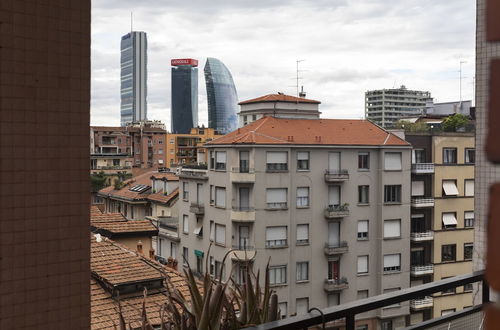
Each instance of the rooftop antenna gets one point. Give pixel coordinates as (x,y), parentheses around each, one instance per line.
(461,62)
(297,78)
(131,22)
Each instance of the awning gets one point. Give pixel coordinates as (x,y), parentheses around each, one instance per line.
(198,253)
(449,219)
(450,188)
(198,229)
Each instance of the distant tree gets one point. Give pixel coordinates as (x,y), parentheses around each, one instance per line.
(411,127)
(455,122)
(97,181)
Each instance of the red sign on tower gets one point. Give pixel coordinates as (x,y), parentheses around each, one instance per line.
(184,61)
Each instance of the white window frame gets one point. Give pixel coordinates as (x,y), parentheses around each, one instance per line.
(219,201)
(185,191)
(212,231)
(303,160)
(417,188)
(362,234)
(276,202)
(449,220)
(275,161)
(468,219)
(220,160)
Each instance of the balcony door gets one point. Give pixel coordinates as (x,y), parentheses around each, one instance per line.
(244,198)
(334,195)
(333,269)
(417,257)
(334,233)
(243,236)
(199,193)
(244,161)
(334,162)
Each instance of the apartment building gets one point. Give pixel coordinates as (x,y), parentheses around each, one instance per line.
(326,202)
(442,218)
(386,106)
(188,148)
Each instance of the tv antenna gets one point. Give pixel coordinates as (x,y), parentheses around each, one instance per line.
(131,21)
(461,62)
(297,77)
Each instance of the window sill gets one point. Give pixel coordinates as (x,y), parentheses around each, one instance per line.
(302,243)
(278,285)
(363,239)
(363,204)
(392,203)
(392,272)
(219,207)
(391,238)
(277,247)
(363,170)
(276,171)
(216,170)
(302,281)
(276,209)
(220,244)
(362,274)
(303,170)
(303,207)
(185,200)
(185,233)
(393,170)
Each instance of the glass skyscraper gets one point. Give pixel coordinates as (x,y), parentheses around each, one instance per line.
(133,88)
(184,95)
(221,96)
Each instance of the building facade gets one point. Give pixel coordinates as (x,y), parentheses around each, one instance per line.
(329,212)
(189,148)
(221,97)
(184,110)
(133,77)
(386,106)
(279,106)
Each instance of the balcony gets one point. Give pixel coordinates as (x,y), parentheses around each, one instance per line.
(277,206)
(337,211)
(197,208)
(243,252)
(242,175)
(422,236)
(340,248)
(422,168)
(336,285)
(422,303)
(196,174)
(336,175)
(243,214)
(422,270)
(422,202)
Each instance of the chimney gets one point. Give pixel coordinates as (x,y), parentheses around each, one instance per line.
(174,264)
(170,262)
(152,254)
(302,94)
(139,247)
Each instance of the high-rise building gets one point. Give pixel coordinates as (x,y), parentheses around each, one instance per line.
(184,114)
(133,88)
(386,106)
(221,96)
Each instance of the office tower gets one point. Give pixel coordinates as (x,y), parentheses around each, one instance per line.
(328,200)
(184,114)
(44,139)
(133,88)
(386,106)
(221,96)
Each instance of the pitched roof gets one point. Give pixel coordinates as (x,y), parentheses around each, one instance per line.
(124,192)
(164,199)
(279,98)
(124,227)
(94,210)
(166,176)
(285,131)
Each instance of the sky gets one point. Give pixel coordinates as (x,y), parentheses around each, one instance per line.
(347,48)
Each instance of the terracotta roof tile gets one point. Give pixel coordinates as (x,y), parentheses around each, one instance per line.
(271,130)
(164,199)
(124,227)
(169,176)
(94,210)
(280,98)
(106,217)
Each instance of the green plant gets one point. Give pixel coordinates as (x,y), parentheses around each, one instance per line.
(97,181)
(412,127)
(455,122)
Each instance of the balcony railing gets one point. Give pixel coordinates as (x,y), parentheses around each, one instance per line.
(242,175)
(193,174)
(276,167)
(422,236)
(422,202)
(277,206)
(422,270)
(336,175)
(336,211)
(422,168)
(242,170)
(349,310)
(422,303)
(197,208)
(276,243)
(333,249)
(336,284)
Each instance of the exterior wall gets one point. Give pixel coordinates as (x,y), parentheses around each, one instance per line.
(278,109)
(44,138)
(313,215)
(196,138)
(131,243)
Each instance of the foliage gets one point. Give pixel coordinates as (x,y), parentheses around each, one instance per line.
(97,181)
(411,127)
(455,122)
(118,184)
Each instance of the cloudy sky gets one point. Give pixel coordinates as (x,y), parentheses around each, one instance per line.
(348,47)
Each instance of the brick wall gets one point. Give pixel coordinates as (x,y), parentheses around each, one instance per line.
(44,164)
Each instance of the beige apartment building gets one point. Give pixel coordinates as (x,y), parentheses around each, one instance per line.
(326,201)
(442,218)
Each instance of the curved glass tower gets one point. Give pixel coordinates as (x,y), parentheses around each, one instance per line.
(221,95)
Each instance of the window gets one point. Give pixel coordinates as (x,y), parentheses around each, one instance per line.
(447,311)
(283,308)
(244,161)
(449,155)
(185,255)
(199,264)
(469,219)
(212,160)
(185,224)
(468,288)
(449,220)
(386,325)
(448,252)
(277,161)
(302,306)
(450,188)
(171,141)
(392,262)
(333,299)
(173,250)
(362,264)
(302,196)
(303,234)
(160,141)
(220,234)
(364,161)
(116,162)
(363,194)
(276,198)
(417,188)
(254,117)
(362,230)
(172,152)
(450,290)
(220,160)
(160,151)
(418,156)
(218,267)
(362,294)
(303,160)
(469,187)
(468,249)
(362,327)
(277,275)
(302,271)
(392,161)
(276,236)
(212,194)
(470,156)
(220,197)
(198,230)
(185,191)
(212,231)
(392,228)
(212,266)
(392,194)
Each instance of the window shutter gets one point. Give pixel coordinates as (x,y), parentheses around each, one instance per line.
(450,188)
(449,219)
(302,155)
(220,156)
(392,161)
(334,161)
(303,192)
(276,157)
(275,233)
(333,195)
(212,231)
(469,215)
(417,188)
(362,226)
(302,232)
(469,187)
(276,195)
(362,264)
(392,260)
(392,228)
(220,234)
(220,196)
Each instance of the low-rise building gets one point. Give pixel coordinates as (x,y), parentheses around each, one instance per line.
(188,148)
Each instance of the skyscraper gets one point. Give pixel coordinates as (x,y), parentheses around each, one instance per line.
(221,96)
(133,89)
(184,95)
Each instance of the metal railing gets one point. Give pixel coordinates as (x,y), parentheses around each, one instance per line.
(422,302)
(422,168)
(243,208)
(243,170)
(351,309)
(276,243)
(424,234)
(424,200)
(277,206)
(276,167)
